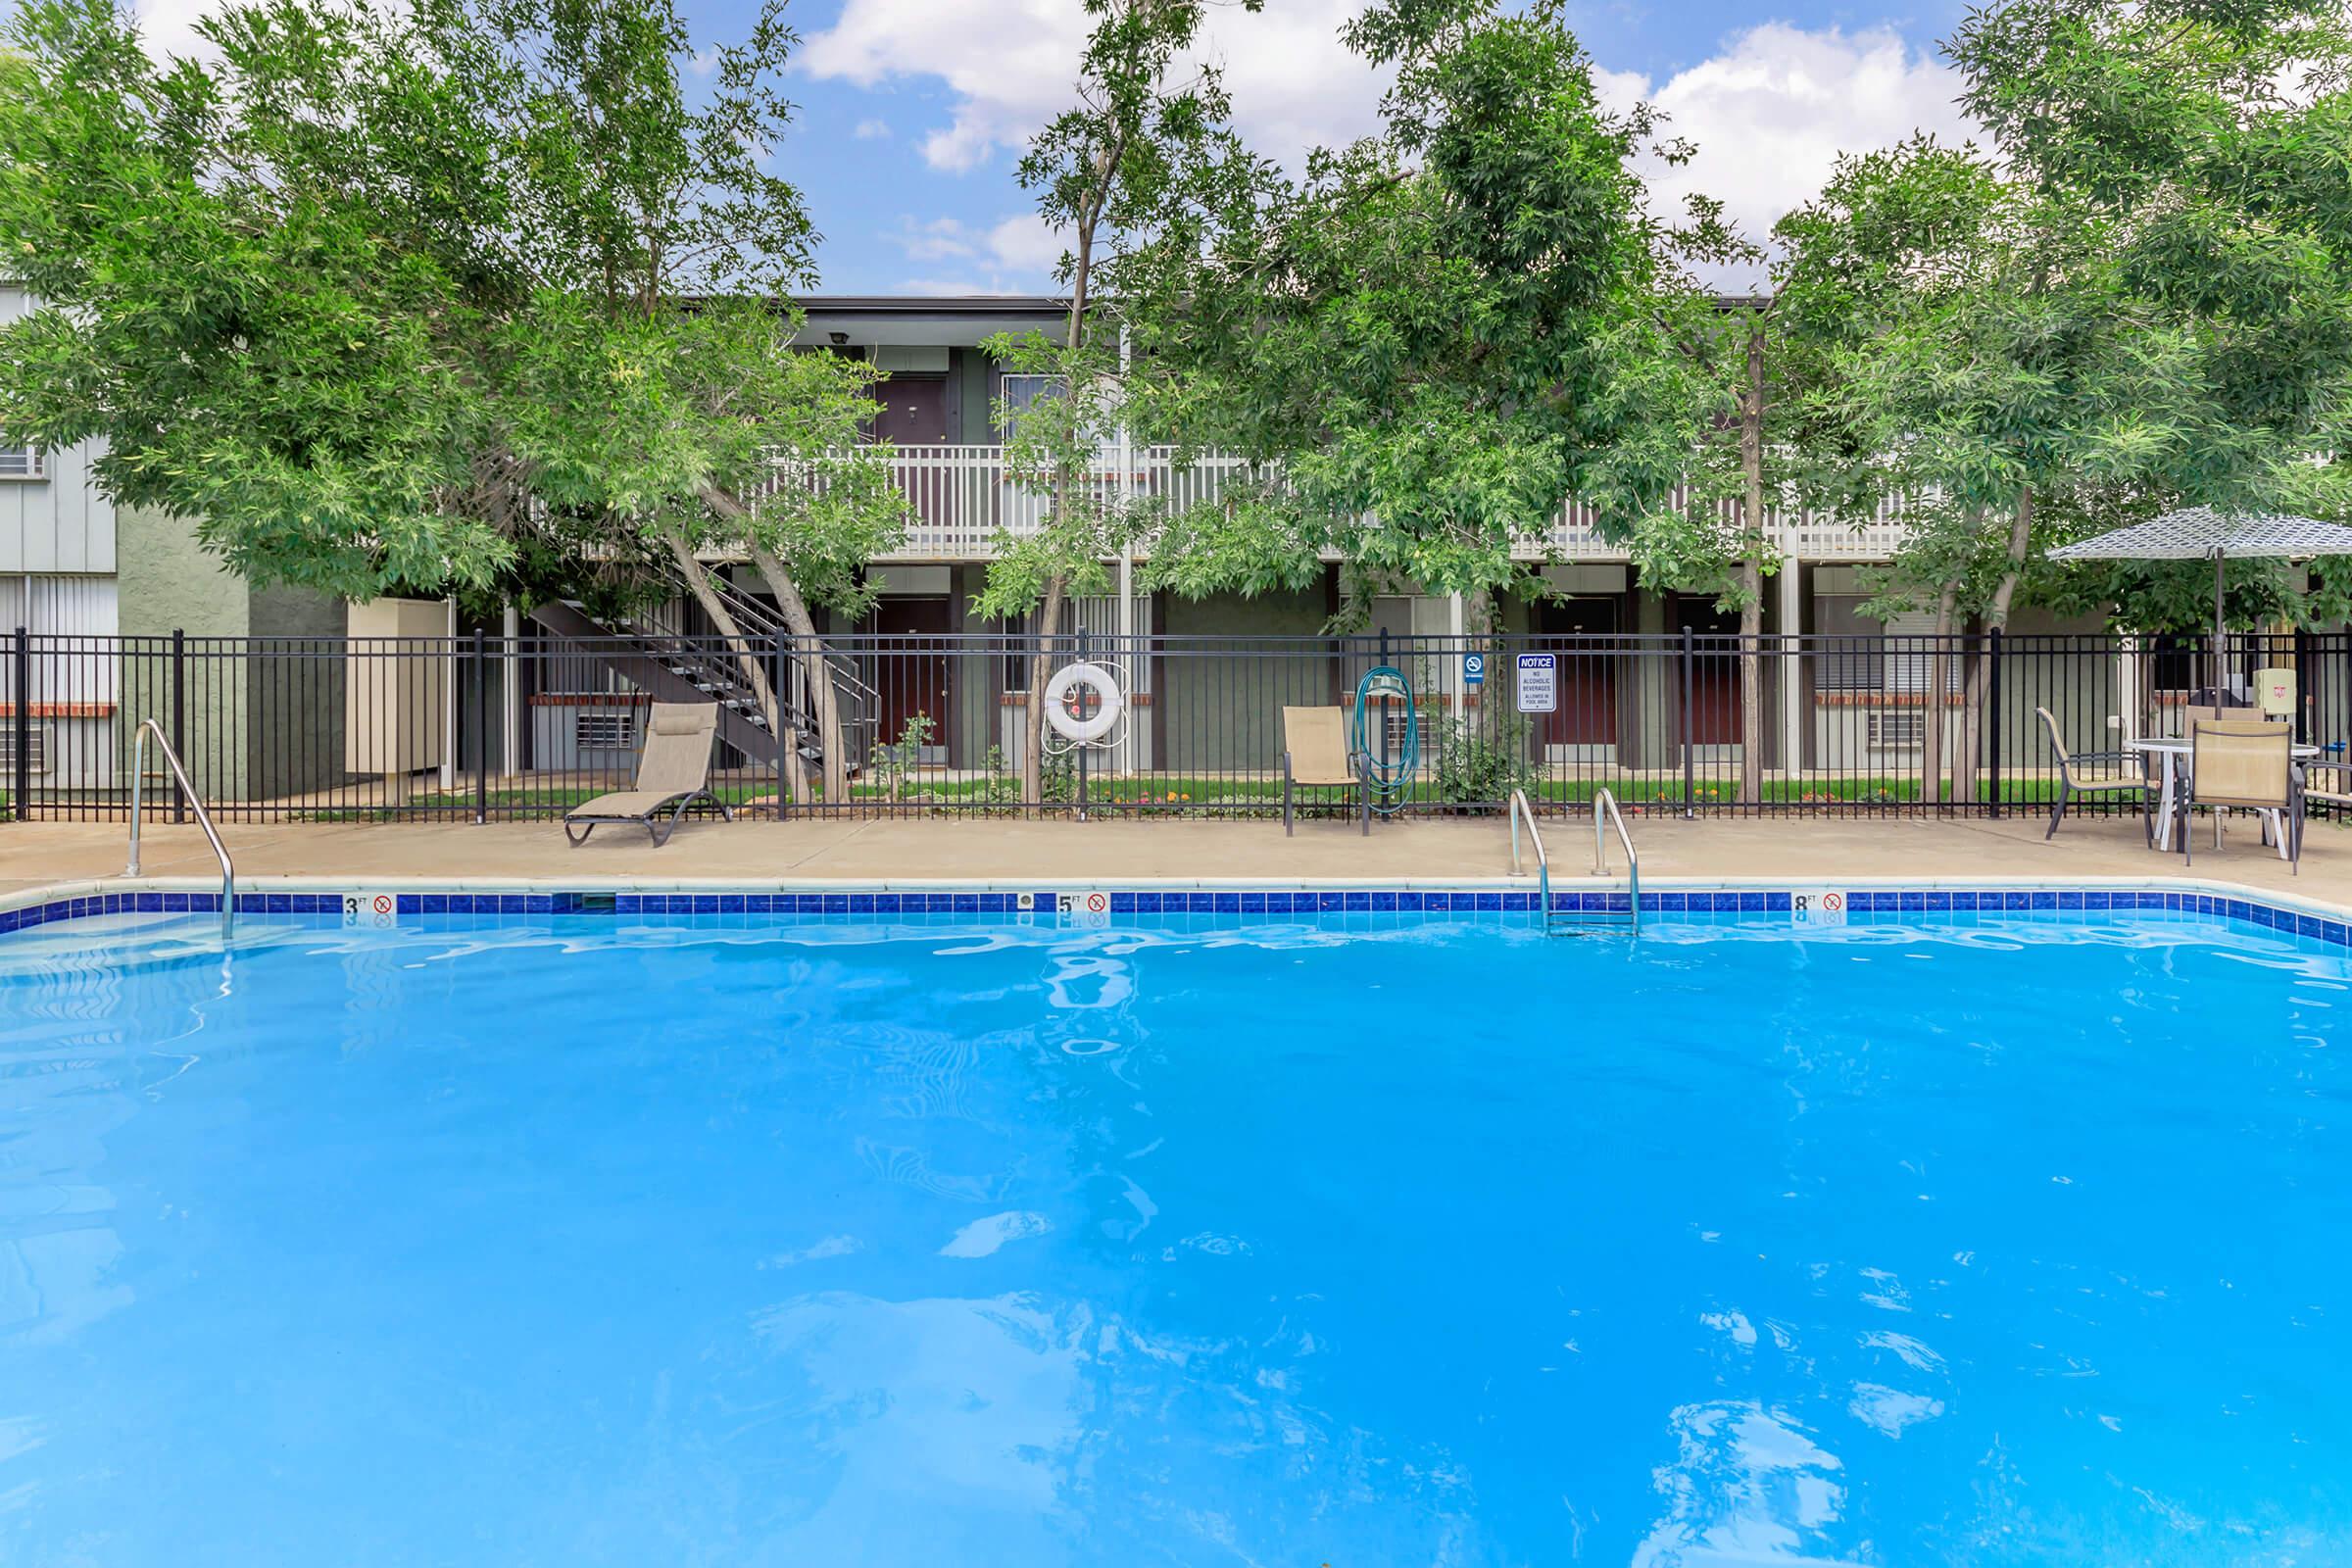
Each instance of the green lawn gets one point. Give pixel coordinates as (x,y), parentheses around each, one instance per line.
(1179,793)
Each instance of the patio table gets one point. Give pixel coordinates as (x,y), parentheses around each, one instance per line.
(2173,754)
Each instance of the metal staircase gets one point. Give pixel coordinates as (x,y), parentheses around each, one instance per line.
(650,653)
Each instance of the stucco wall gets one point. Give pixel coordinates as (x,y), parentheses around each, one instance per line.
(253,727)
(1224,711)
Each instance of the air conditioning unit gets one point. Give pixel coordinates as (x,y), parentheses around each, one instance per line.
(606,729)
(1898,731)
(37,742)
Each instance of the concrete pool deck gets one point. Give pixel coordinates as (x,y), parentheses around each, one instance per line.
(38,855)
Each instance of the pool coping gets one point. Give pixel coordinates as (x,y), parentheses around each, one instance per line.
(1664,896)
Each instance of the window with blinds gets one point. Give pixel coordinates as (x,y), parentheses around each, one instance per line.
(1885,656)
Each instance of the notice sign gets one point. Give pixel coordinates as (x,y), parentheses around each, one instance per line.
(371,911)
(1474,669)
(1538,683)
(1817,908)
(1084,909)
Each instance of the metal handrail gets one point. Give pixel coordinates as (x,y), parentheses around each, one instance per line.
(1520,808)
(1605,804)
(751,613)
(204,818)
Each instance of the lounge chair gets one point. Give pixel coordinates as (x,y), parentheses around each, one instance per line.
(2248,765)
(674,773)
(1315,754)
(2075,777)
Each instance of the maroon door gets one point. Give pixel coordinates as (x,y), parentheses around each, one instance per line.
(914,412)
(1714,671)
(1588,689)
(913,674)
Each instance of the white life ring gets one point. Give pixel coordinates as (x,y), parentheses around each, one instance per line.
(1111,703)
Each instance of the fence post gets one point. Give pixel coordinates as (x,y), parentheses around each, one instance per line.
(1364,719)
(481,728)
(1689,776)
(179,718)
(21,801)
(775,681)
(1992,722)
(2302,689)
(1082,748)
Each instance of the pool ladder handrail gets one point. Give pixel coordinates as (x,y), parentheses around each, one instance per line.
(1520,808)
(1604,806)
(204,818)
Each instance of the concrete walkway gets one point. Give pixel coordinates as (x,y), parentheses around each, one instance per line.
(1754,848)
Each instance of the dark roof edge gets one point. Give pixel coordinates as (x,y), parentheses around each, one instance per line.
(933,304)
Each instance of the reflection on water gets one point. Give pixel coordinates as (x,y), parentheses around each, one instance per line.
(1745,1486)
(1371,1241)
(924,1409)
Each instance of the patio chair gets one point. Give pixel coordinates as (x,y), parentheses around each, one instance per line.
(2328,783)
(2076,776)
(1315,754)
(674,773)
(2250,765)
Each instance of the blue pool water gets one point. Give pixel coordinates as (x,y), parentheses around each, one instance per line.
(1361,1241)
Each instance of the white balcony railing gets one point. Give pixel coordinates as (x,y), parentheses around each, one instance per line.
(961,496)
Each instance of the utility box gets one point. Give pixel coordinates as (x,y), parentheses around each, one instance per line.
(396,689)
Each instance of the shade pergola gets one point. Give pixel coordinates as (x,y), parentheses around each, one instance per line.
(2194,533)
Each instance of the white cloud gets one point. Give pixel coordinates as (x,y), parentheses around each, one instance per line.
(1025,242)
(167,28)
(1021,247)
(1008,65)
(1772,110)
(872,130)
(949,287)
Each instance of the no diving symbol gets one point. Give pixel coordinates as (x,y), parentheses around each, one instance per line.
(1833,901)
(383,903)
(1097,903)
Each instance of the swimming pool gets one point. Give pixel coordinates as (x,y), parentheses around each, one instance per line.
(1370,1238)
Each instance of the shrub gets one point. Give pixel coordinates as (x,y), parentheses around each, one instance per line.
(1482,766)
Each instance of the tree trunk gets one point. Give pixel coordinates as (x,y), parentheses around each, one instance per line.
(748,659)
(1049,614)
(1930,762)
(1041,670)
(1751,682)
(1980,669)
(816,668)
(1752,571)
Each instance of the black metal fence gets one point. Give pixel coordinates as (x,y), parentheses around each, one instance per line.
(488,728)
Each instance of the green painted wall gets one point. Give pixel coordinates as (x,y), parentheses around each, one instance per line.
(975,381)
(1224,711)
(975,682)
(167,580)
(255,727)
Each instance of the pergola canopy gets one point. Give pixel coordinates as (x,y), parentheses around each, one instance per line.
(2200,533)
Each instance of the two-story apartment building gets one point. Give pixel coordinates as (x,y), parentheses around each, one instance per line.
(70,567)
(941,392)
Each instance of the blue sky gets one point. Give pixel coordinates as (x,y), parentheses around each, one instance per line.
(912,111)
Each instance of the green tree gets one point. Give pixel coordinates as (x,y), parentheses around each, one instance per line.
(1999,369)
(1125,173)
(459,297)
(1435,337)
(2137,296)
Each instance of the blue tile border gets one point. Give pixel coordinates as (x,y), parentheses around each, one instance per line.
(851,905)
